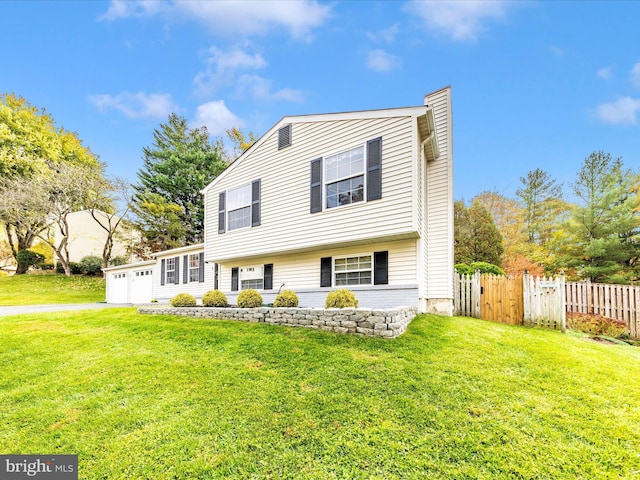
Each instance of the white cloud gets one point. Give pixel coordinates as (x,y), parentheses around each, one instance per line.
(216,117)
(260,89)
(381,61)
(635,75)
(232,17)
(387,35)
(623,111)
(222,68)
(460,20)
(136,105)
(125,9)
(605,73)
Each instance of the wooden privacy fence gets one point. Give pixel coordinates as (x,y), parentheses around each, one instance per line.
(621,302)
(521,300)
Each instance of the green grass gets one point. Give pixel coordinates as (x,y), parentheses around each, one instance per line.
(36,289)
(170,397)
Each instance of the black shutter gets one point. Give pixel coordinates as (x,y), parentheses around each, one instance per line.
(234,279)
(381,268)
(255,203)
(201,268)
(185,271)
(162,272)
(216,272)
(176,277)
(268,276)
(316,185)
(374,169)
(284,136)
(325,271)
(221,212)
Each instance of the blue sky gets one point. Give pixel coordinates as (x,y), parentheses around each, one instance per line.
(534,84)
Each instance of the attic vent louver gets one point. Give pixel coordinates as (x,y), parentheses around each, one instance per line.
(284,136)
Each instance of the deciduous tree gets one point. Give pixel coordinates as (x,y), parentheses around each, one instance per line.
(476,238)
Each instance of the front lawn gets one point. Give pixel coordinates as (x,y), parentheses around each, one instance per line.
(38,289)
(162,396)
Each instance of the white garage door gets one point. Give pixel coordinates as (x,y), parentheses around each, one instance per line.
(141,286)
(117,291)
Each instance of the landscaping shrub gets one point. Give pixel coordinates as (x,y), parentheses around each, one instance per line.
(597,325)
(249,298)
(214,298)
(30,258)
(117,261)
(286,298)
(91,265)
(183,300)
(75,268)
(484,267)
(342,298)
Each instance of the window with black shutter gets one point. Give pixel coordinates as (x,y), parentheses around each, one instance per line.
(221,212)
(255,203)
(185,269)
(162,271)
(176,277)
(316,185)
(268,276)
(216,273)
(381,268)
(374,169)
(201,268)
(234,279)
(325,271)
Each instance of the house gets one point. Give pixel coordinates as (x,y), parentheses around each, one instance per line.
(168,273)
(87,237)
(360,200)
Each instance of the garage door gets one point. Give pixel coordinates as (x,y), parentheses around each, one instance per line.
(141,286)
(117,288)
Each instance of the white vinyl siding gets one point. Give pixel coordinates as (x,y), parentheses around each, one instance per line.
(196,288)
(286,224)
(439,204)
(302,271)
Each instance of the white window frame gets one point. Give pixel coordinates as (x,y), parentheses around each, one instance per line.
(170,268)
(194,267)
(240,206)
(326,182)
(260,281)
(359,269)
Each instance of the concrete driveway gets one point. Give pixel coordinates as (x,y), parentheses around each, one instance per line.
(19,309)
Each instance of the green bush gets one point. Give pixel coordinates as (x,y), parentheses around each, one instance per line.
(249,298)
(214,298)
(117,261)
(91,265)
(597,325)
(342,298)
(286,298)
(30,258)
(75,268)
(483,267)
(183,300)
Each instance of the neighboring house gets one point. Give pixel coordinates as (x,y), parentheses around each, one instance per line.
(87,237)
(359,200)
(167,274)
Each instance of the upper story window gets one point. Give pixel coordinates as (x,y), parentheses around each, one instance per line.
(170,271)
(239,207)
(194,267)
(344,178)
(347,177)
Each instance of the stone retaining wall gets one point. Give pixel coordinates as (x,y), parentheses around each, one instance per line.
(387,323)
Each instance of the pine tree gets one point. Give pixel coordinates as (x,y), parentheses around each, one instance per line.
(176,167)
